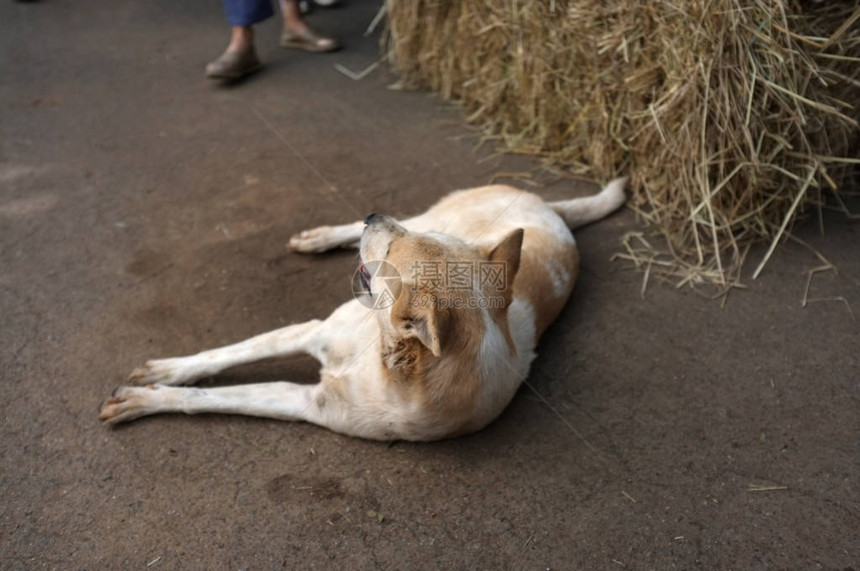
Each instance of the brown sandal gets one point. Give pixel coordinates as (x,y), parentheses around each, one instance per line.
(233,65)
(308,40)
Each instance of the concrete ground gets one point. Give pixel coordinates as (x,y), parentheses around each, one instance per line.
(144,212)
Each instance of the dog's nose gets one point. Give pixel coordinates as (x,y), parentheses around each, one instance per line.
(370,217)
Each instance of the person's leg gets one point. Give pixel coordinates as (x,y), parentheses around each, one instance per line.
(240,58)
(247,12)
(298,34)
(241,39)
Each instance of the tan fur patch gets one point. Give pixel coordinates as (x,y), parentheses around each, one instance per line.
(534,281)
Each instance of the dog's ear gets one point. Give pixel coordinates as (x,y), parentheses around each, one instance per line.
(507,255)
(417,315)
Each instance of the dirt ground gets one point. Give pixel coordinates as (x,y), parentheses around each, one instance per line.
(144,212)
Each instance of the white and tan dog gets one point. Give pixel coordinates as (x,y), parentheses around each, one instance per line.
(444,347)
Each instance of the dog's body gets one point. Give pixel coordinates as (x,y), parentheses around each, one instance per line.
(441,359)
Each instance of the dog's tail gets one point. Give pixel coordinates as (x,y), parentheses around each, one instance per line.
(581,211)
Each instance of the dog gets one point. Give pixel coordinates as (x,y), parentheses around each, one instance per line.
(450,308)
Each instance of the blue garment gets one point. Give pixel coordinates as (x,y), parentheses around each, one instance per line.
(247,12)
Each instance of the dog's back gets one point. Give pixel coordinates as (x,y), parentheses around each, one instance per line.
(549,261)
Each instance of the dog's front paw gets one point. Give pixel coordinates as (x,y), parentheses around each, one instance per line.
(126,403)
(161,371)
(311,241)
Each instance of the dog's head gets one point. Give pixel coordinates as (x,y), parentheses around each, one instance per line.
(448,290)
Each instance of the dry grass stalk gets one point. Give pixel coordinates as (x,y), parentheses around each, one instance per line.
(730,117)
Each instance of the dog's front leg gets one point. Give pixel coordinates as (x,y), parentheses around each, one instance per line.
(300,338)
(326,237)
(281,400)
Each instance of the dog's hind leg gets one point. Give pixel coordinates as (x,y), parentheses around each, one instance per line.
(290,340)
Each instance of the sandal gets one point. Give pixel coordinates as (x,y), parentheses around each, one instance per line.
(308,40)
(233,65)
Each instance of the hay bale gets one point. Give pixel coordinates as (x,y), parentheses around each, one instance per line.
(730,117)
